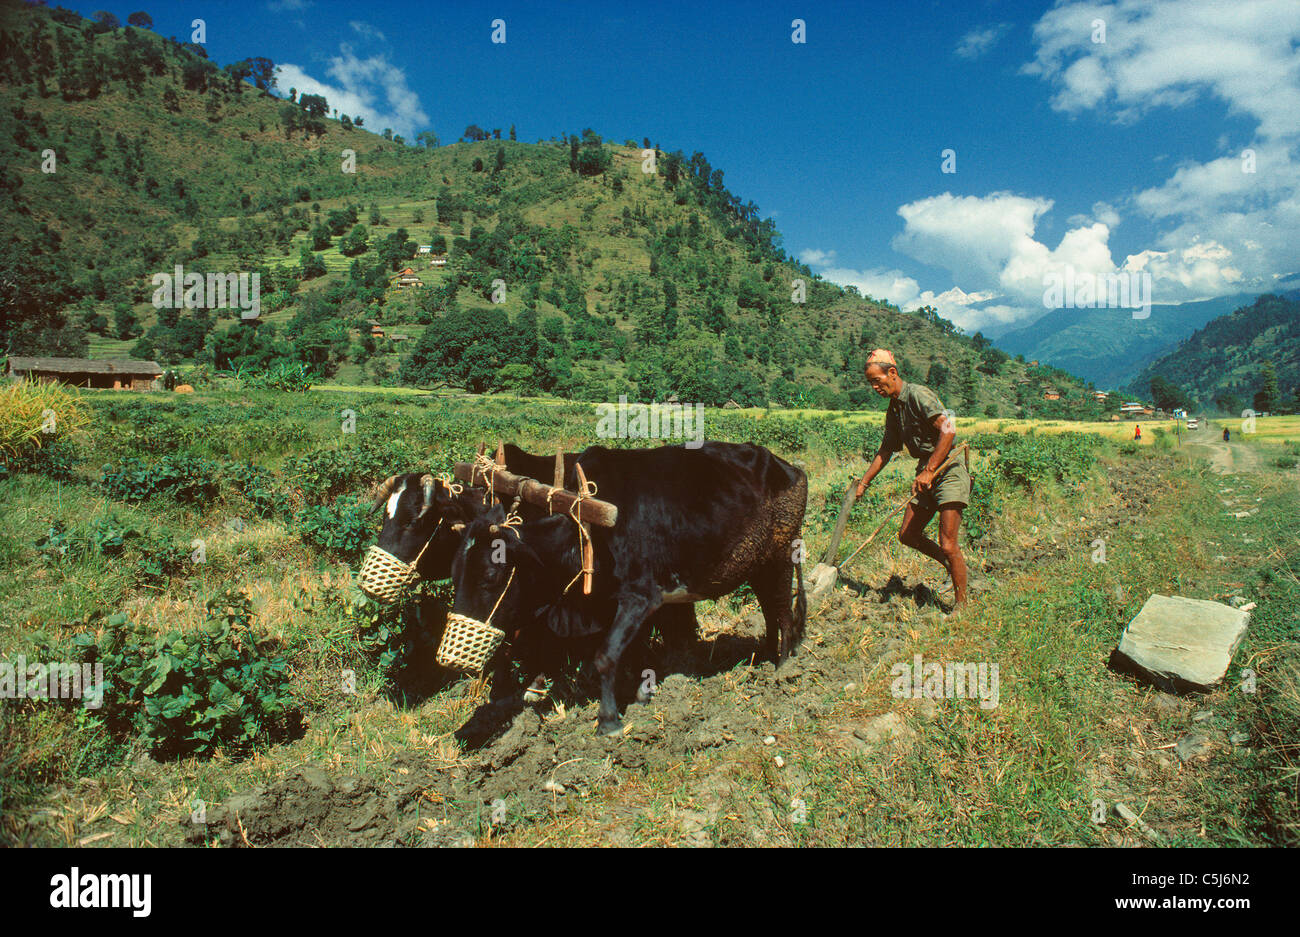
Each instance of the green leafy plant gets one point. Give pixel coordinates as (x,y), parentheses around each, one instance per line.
(343,529)
(184,478)
(193,692)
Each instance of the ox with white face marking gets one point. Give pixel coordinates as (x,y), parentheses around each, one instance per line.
(395,497)
(423,520)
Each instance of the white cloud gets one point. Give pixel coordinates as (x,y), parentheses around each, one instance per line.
(1166,52)
(371,87)
(979,41)
(816,258)
(366,31)
(1223,229)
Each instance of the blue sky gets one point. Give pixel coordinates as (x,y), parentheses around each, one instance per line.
(1122,155)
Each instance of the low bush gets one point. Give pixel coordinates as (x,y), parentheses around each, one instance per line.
(343,529)
(184,478)
(190,693)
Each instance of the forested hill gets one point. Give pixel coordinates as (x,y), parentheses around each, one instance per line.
(126,154)
(1248,358)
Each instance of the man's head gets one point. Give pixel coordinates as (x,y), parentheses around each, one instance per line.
(882,373)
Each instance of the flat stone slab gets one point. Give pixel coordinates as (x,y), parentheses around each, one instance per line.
(1181,645)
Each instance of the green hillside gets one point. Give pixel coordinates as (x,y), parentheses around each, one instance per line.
(1248,358)
(610,279)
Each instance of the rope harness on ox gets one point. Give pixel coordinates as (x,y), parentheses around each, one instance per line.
(587,490)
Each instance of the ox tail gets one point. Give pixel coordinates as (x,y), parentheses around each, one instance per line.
(800,610)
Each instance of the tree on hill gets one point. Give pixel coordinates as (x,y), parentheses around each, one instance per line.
(1167,395)
(1266,397)
(474,134)
(141,20)
(428,138)
(105,21)
(315,105)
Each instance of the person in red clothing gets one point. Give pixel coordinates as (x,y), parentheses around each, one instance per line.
(1137,433)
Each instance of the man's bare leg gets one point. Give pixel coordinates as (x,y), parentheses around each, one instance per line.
(949,525)
(912,534)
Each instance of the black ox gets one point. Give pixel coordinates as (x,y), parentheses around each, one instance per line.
(693,524)
(421,510)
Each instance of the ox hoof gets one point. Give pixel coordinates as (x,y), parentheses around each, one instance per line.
(612,728)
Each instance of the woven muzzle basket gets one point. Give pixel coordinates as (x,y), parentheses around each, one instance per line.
(467,643)
(384,576)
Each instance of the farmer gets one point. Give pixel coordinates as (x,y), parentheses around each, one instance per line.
(1225,434)
(916,419)
(1137,432)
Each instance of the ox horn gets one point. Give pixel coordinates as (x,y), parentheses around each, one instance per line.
(383,491)
(458,527)
(427,483)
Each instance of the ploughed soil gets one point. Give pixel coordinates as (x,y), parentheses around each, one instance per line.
(526,765)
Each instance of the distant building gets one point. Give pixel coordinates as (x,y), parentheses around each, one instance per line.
(1100,395)
(424,249)
(407,278)
(1034,363)
(1051,393)
(102,373)
(439,260)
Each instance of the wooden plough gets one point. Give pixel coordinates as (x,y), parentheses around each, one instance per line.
(821,579)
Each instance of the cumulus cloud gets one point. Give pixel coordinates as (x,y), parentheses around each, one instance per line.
(372,87)
(1166,52)
(977,42)
(1225,224)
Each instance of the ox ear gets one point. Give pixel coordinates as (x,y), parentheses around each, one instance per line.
(383,492)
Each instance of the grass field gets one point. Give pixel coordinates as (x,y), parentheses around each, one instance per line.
(858,765)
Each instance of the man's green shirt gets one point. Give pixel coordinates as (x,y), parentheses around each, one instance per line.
(909,421)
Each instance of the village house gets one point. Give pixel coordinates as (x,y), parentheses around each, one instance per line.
(103,373)
(439,260)
(407,278)
(1136,410)
(424,249)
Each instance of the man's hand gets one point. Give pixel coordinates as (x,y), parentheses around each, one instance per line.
(861,488)
(924,479)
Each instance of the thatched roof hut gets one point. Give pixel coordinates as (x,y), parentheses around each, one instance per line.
(106,373)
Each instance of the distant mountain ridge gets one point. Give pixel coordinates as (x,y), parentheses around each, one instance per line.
(1108,346)
(1223,363)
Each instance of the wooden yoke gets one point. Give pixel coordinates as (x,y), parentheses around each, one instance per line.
(553,498)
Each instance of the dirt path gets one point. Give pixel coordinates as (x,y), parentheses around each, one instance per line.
(1225,458)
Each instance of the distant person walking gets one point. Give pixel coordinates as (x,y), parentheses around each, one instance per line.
(1225,434)
(916,419)
(1137,433)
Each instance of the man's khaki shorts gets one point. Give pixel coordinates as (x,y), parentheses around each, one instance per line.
(952,487)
